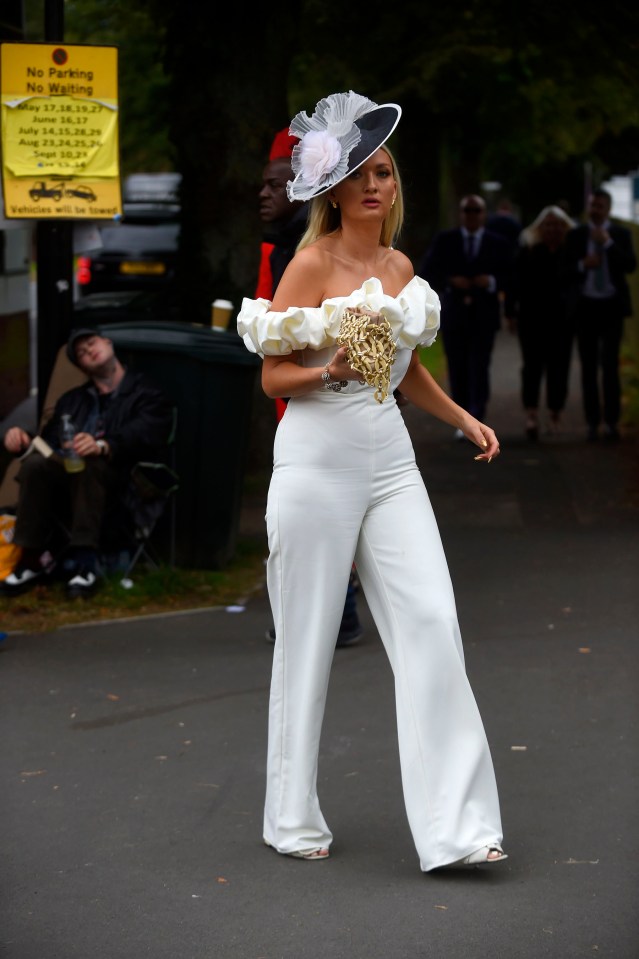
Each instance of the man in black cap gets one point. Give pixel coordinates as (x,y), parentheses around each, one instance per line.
(114,419)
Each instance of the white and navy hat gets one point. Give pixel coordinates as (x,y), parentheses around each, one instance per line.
(344,131)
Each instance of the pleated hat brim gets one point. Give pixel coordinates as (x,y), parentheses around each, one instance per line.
(376,127)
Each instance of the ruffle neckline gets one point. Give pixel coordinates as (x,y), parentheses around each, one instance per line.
(413,316)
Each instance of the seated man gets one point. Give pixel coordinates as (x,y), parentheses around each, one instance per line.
(119,418)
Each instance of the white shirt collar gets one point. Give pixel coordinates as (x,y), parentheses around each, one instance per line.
(604,226)
(478,233)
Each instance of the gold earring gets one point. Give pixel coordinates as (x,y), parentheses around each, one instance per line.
(334,204)
(393,203)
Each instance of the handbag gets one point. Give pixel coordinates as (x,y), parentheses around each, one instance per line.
(370,348)
(10,553)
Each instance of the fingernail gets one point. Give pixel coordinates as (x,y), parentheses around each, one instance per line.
(489,459)
(484,442)
(478,457)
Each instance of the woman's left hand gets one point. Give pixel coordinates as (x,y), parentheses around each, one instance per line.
(483,437)
(339,367)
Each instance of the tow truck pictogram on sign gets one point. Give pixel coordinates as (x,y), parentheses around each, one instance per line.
(40,191)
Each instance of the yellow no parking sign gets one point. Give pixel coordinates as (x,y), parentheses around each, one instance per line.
(60,148)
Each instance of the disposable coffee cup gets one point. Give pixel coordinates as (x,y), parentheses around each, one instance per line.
(221,314)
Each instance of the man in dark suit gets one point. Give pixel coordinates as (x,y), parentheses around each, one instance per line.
(504,222)
(469,267)
(599,254)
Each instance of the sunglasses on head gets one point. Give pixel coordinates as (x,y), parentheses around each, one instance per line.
(472,209)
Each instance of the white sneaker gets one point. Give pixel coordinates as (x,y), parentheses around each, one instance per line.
(82,584)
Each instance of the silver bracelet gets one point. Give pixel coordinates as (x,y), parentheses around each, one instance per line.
(335,386)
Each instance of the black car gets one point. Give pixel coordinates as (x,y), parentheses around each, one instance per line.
(133,256)
(80,191)
(97,309)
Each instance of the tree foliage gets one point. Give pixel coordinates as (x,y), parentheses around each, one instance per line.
(143,82)
(491,90)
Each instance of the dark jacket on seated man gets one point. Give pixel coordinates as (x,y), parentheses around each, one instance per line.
(135,419)
(120,418)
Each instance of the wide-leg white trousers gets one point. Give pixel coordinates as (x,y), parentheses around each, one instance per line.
(345,487)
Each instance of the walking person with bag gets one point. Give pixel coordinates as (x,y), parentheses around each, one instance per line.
(340,335)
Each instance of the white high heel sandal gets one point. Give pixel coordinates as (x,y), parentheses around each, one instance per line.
(317,852)
(481,856)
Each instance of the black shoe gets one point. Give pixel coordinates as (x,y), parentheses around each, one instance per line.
(83,583)
(33,567)
(611,434)
(345,637)
(21,579)
(350,636)
(593,434)
(532,427)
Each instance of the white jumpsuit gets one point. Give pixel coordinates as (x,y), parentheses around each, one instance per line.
(346,488)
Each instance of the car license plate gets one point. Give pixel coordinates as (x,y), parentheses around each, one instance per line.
(141,268)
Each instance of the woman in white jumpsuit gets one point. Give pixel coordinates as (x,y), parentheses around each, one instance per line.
(346,488)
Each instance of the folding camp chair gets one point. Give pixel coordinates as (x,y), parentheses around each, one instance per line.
(132,517)
(151,490)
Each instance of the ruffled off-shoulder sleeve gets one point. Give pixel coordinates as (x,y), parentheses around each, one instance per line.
(413,317)
(276,334)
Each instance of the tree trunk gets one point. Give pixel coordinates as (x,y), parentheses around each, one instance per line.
(228,98)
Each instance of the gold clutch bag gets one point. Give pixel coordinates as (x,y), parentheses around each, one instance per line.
(370,348)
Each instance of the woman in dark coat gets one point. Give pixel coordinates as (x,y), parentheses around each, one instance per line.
(544,326)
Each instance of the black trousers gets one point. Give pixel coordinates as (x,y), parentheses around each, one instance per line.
(48,496)
(468,345)
(546,352)
(599,333)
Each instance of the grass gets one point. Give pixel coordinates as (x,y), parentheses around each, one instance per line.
(46,607)
(629,369)
(433,359)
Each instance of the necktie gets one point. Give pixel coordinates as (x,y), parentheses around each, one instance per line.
(600,273)
(470,246)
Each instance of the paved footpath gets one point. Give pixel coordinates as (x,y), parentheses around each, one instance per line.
(133,752)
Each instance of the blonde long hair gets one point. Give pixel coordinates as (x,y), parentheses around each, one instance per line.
(323,218)
(531,235)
